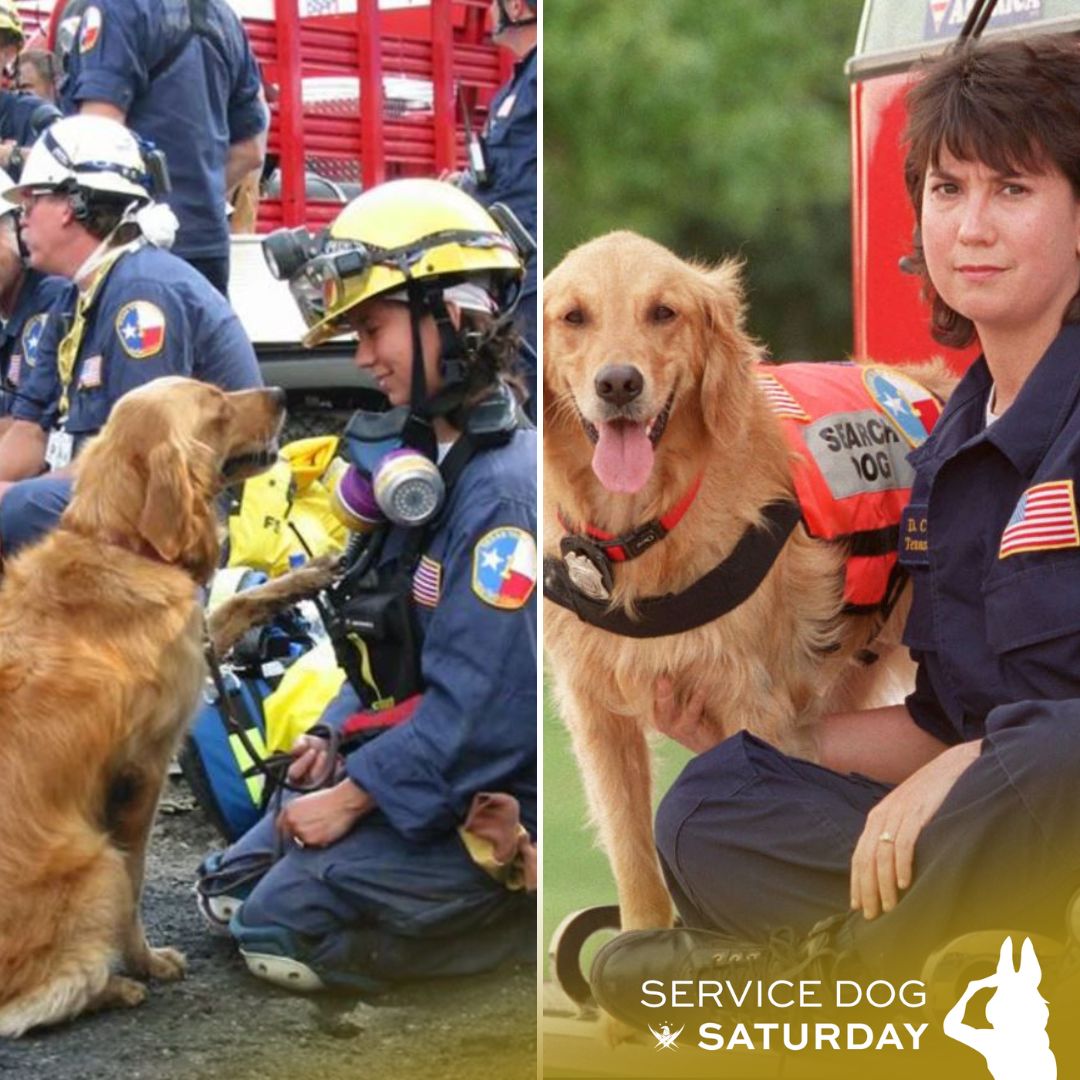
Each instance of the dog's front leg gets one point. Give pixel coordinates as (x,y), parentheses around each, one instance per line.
(231,619)
(613,757)
(131,807)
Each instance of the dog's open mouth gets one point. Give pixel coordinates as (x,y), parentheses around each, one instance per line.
(623,458)
(241,466)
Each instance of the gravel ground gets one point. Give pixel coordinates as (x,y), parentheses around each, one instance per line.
(222,1023)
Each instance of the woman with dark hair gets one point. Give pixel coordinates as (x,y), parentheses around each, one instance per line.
(952,812)
(388,872)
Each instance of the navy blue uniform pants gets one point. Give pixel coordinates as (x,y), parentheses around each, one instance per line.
(375,907)
(30,509)
(752,840)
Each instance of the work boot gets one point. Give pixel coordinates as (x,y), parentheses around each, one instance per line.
(627,961)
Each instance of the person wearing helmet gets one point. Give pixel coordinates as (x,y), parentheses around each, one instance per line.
(507,172)
(183,77)
(26,299)
(23,117)
(381,879)
(137,311)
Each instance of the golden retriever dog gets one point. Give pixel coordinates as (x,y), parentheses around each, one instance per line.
(649,382)
(101,665)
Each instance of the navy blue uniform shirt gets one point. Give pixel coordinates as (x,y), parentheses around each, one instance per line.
(191,94)
(474,593)
(510,141)
(17,113)
(152,315)
(20,339)
(992,544)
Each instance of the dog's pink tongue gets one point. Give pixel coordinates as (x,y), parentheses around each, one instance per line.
(623,458)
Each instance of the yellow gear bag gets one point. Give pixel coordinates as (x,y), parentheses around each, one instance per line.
(292,497)
(298,701)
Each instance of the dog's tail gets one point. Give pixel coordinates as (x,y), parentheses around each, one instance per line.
(59,943)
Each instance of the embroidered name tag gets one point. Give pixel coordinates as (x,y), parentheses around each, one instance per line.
(914,537)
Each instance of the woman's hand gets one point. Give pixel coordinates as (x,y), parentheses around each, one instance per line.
(884,858)
(686,725)
(320,818)
(310,755)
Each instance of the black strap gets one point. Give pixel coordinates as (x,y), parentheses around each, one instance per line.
(721,590)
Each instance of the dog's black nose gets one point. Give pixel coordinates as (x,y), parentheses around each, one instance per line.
(618,384)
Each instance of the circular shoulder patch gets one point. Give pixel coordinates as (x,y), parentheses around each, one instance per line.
(31,337)
(140,326)
(504,567)
(909,405)
(90,30)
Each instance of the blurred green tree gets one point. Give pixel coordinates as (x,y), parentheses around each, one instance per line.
(716,127)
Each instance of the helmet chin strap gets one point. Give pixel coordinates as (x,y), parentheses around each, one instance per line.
(98,255)
(424,300)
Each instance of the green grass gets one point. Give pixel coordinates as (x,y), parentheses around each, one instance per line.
(576,873)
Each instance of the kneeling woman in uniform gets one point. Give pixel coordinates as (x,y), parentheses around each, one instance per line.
(371,879)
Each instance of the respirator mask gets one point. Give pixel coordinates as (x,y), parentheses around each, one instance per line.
(387,480)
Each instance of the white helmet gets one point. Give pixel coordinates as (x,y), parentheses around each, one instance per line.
(91,154)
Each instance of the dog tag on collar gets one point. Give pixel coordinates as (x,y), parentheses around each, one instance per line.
(58,449)
(588,567)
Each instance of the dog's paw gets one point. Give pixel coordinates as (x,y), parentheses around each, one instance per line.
(165,964)
(318,573)
(121,992)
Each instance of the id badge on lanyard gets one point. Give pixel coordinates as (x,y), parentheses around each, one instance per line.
(59,449)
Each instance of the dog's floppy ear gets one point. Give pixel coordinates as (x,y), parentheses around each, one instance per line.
(725,346)
(169,501)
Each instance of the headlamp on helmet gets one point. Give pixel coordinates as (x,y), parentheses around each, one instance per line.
(287,250)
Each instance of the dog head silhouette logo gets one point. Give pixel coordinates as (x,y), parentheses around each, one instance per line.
(1016,1045)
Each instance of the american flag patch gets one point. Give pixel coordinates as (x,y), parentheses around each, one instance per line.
(90,375)
(427,582)
(1044,519)
(780,401)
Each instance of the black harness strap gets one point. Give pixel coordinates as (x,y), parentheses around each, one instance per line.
(722,589)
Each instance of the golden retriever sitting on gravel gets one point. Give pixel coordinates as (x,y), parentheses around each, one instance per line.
(101,664)
(664,456)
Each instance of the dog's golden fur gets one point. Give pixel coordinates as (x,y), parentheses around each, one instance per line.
(773,664)
(101,665)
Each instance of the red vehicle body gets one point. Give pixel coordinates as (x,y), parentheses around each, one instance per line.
(443,44)
(891,319)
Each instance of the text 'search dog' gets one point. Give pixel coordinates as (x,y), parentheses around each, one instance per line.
(728,524)
(101,665)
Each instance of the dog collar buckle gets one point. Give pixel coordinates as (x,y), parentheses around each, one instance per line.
(588,567)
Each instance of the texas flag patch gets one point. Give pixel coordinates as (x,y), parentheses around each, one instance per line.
(910,406)
(504,567)
(1044,520)
(141,329)
(90,30)
(31,337)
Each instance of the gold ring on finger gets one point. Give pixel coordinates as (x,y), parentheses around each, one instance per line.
(886,838)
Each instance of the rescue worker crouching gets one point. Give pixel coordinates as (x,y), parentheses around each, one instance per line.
(26,296)
(371,880)
(132,313)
